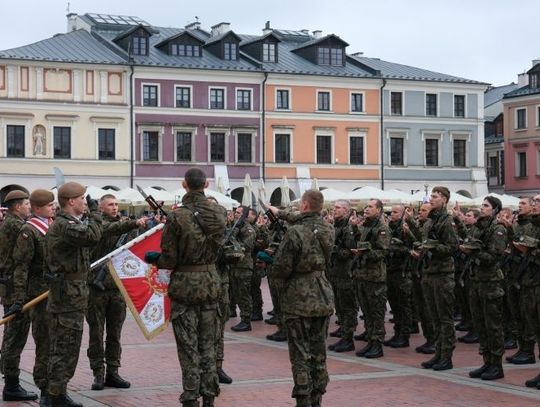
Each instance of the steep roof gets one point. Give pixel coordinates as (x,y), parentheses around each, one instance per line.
(496,93)
(523,91)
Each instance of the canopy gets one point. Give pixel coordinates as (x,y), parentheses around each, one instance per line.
(160,195)
(225,201)
(506,200)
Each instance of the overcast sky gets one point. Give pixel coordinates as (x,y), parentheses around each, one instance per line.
(486,40)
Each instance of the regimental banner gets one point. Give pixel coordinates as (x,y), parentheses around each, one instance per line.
(143,286)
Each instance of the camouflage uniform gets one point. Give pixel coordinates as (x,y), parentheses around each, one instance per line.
(460,277)
(242,272)
(307,302)
(106,309)
(191,253)
(16,330)
(261,243)
(370,278)
(486,288)
(438,281)
(341,272)
(67,258)
(28,283)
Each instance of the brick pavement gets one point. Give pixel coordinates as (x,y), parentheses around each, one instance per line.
(262,376)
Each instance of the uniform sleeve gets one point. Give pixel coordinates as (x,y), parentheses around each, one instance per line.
(119,228)
(82,235)
(346,243)
(246,238)
(379,244)
(286,255)
(494,249)
(448,242)
(169,245)
(23,253)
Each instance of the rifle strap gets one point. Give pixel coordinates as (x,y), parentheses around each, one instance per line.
(326,253)
(198,219)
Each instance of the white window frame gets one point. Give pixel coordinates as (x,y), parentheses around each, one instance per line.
(250,99)
(352,134)
(28,142)
(538,161)
(224,88)
(331,104)
(291,144)
(324,133)
(357,92)
(253,135)
(516,118)
(517,164)
(160,130)
(143,84)
(464,105)
(435,135)
(437,95)
(190,96)
(402,103)
(466,136)
(397,133)
(209,131)
(276,99)
(537,116)
(184,129)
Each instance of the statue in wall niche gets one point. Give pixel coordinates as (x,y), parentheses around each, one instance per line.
(39,140)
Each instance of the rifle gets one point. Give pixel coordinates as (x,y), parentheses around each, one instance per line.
(276,223)
(154,205)
(236,252)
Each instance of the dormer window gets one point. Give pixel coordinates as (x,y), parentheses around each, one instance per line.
(186,50)
(330,56)
(139,45)
(230,51)
(535,80)
(269,52)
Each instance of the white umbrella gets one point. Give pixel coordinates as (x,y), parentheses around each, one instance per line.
(506,200)
(222,199)
(219,185)
(160,195)
(262,191)
(285,198)
(332,195)
(96,192)
(130,196)
(246,196)
(315,184)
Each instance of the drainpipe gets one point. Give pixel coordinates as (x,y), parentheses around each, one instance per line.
(131,126)
(382,133)
(263,127)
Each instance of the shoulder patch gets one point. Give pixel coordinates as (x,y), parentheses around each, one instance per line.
(24,235)
(71,222)
(383,233)
(499,233)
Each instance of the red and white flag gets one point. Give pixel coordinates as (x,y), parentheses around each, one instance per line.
(143,286)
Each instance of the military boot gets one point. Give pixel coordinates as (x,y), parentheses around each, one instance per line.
(190,403)
(493,372)
(477,373)
(63,400)
(510,343)
(388,341)
(343,345)
(278,336)
(427,348)
(303,401)
(428,364)
(242,326)
(400,342)
(99,382)
(257,316)
(271,321)
(208,401)
(336,334)
(523,358)
(13,391)
(469,338)
(376,351)
(316,399)
(113,379)
(223,377)
(443,364)
(361,337)
(362,352)
(44,400)
(534,382)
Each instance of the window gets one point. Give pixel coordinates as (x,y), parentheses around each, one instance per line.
(521,118)
(431,104)
(356,150)
(62,142)
(459,105)
(217,98)
(432,152)
(150,97)
(244,142)
(357,102)
(183,146)
(186,50)
(229,51)
(217,147)
(282,99)
(15,141)
(396,103)
(324,149)
(269,52)
(106,141)
(537,116)
(243,99)
(183,97)
(150,146)
(534,82)
(323,101)
(493,169)
(330,56)
(397,151)
(283,148)
(460,153)
(139,45)
(521,164)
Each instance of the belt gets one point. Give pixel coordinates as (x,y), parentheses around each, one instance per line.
(197,268)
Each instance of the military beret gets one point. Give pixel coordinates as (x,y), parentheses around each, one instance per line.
(71,190)
(41,197)
(15,194)
(263,256)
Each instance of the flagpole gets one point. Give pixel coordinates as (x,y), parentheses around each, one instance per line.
(26,307)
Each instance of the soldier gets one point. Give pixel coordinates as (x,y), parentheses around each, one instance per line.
(341,270)
(106,306)
(242,272)
(189,247)
(373,240)
(16,330)
(438,278)
(307,301)
(486,287)
(28,281)
(261,243)
(67,262)
(399,279)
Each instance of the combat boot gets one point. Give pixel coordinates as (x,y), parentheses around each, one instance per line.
(343,345)
(471,337)
(427,348)
(463,326)
(190,403)
(534,382)
(523,358)
(400,342)
(271,321)
(364,350)
(477,373)
(278,336)
(242,326)
(361,337)
(376,351)
(336,334)
(388,341)
(493,372)
(63,400)
(99,382)
(44,400)
(223,377)
(510,343)
(208,401)
(113,379)
(257,316)
(316,398)
(303,401)
(428,364)
(13,391)
(443,364)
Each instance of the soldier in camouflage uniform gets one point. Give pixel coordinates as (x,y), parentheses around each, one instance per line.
(242,272)
(399,279)
(307,301)
(261,243)
(16,330)
(189,247)
(373,240)
(486,288)
(438,278)
(341,270)
(28,281)
(67,258)
(106,306)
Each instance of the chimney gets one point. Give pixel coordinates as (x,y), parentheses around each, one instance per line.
(305,32)
(523,79)
(535,62)
(317,34)
(267,29)
(74,22)
(220,28)
(193,26)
